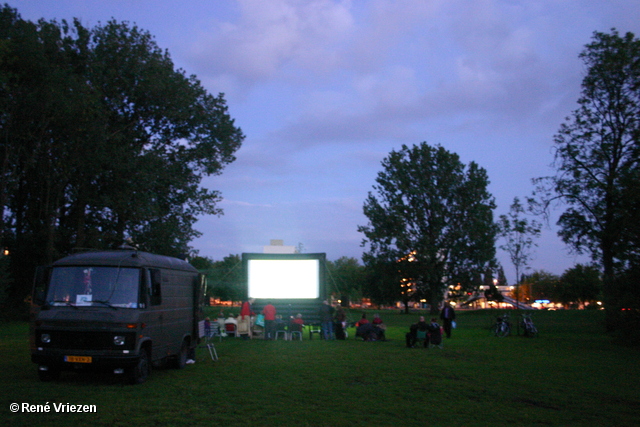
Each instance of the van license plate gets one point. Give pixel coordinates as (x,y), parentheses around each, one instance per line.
(78,359)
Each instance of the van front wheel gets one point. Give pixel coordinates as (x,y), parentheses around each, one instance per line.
(139,373)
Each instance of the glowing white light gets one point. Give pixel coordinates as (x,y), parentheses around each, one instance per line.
(284,279)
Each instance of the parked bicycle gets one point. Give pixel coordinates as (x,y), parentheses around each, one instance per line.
(529,328)
(502,328)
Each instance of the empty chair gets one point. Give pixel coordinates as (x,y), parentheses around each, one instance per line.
(281,328)
(211,330)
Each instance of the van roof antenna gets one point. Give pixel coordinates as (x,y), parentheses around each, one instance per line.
(129,245)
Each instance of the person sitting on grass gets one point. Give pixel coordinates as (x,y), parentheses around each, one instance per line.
(363,320)
(368,331)
(378,323)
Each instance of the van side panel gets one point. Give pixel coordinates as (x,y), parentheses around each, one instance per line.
(177,306)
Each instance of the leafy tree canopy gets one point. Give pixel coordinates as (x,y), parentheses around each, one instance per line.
(518,233)
(582,284)
(430,219)
(597,162)
(346,277)
(224,278)
(102,139)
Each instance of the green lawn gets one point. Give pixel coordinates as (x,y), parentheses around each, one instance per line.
(571,375)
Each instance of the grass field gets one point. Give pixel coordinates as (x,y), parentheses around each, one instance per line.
(571,375)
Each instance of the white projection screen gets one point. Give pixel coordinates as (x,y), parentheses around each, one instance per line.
(283,277)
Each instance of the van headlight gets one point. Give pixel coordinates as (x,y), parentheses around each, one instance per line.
(118,339)
(45,338)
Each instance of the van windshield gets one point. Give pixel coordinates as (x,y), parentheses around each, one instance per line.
(94,286)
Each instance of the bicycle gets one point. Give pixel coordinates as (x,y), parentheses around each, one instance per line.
(502,328)
(530,329)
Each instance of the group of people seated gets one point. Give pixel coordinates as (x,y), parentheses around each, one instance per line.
(430,334)
(371,331)
(229,326)
(295,324)
(420,333)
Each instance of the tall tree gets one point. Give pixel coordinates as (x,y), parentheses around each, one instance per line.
(542,285)
(518,233)
(597,155)
(346,277)
(101,139)
(431,219)
(224,278)
(384,283)
(581,284)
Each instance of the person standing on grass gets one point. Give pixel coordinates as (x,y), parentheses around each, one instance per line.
(244,323)
(340,323)
(269,312)
(448,315)
(326,319)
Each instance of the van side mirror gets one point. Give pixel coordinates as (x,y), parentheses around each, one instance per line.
(40,281)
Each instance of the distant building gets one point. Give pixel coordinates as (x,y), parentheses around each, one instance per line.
(277,247)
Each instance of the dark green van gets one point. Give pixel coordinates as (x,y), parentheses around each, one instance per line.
(118,311)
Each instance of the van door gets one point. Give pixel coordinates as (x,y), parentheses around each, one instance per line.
(154,316)
(199,286)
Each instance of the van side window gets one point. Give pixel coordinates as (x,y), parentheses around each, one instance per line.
(155,294)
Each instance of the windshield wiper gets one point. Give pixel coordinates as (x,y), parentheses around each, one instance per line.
(67,303)
(107,303)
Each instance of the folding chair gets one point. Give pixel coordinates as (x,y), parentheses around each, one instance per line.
(212,351)
(231,329)
(435,338)
(314,329)
(295,331)
(423,337)
(209,330)
(281,329)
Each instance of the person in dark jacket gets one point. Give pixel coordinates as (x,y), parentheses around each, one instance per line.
(326,317)
(435,333)
(340,323)
(412,336)
(448,315)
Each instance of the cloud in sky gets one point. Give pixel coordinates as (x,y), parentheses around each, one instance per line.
(325,89)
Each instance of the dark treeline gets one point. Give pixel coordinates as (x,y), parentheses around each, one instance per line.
(101,140)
